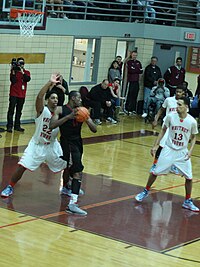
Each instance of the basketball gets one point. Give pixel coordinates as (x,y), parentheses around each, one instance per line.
(82,114)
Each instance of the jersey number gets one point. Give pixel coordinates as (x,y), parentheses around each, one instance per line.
(178,136)
(46,129)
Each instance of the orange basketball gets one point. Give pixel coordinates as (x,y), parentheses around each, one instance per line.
(82,114)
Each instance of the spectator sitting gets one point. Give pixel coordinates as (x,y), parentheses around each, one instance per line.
(149,11)
(157,96)
(59,7)
(164,12)
(100,97)
(114,72)
(120,63)
(71,8)
(116,96)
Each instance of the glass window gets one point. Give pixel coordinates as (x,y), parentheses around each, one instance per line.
(85,60)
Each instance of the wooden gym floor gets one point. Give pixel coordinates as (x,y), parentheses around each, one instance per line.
(35,230)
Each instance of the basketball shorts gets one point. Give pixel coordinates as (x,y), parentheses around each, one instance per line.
(36,154)
(169,157)
(72,153)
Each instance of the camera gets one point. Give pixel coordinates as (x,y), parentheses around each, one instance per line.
(15,65)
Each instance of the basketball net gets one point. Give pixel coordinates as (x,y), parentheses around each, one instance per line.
(27,23)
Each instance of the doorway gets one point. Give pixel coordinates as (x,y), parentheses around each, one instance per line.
(167,54)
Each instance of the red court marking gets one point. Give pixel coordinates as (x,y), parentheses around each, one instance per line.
(13,224)
(86,207)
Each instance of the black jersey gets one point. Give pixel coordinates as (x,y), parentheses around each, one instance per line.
(71,129)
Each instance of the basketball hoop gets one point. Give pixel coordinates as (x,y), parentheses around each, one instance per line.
(28,19)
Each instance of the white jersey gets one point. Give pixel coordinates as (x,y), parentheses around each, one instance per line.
(170,104)
(42,133)
(180,130)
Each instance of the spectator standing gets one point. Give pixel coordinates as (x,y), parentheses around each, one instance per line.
(174,76)
(134,69)
(19,77)
(114,72)
(151,75)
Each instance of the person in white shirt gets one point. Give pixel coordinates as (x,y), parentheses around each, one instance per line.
(149,11)
(43,146)
(182,129)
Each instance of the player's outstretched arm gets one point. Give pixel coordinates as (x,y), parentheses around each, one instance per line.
(39,104)
(56,122)
(157,116)
(192,143)
(157,142)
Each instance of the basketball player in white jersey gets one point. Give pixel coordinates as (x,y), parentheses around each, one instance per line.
(43,146)
(182,128)
(169,106)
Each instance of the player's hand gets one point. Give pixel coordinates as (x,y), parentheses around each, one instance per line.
(72,115)
(55,78)
(188,156)
(153,151)
(154,124)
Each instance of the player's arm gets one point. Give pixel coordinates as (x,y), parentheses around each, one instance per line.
(62,88)
(157,116)
(192,143)
(92,126)
(39,104)
(56,122)
(157,142)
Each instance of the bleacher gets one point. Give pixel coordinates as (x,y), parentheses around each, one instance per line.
(181,13)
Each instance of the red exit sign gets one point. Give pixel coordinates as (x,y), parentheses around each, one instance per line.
(190,36)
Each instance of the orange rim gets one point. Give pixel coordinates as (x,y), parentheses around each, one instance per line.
(14,12)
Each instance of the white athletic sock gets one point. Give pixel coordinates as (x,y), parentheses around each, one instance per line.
(73,199)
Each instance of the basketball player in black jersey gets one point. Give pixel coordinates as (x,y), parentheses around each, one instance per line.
(71,143)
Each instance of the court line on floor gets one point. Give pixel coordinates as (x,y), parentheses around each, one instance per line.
(150,146)
(90,206)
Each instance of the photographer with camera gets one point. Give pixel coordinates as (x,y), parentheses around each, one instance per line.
(18,78)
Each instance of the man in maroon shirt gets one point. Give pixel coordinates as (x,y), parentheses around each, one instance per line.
(134,69)
(18,78)
(174,76)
